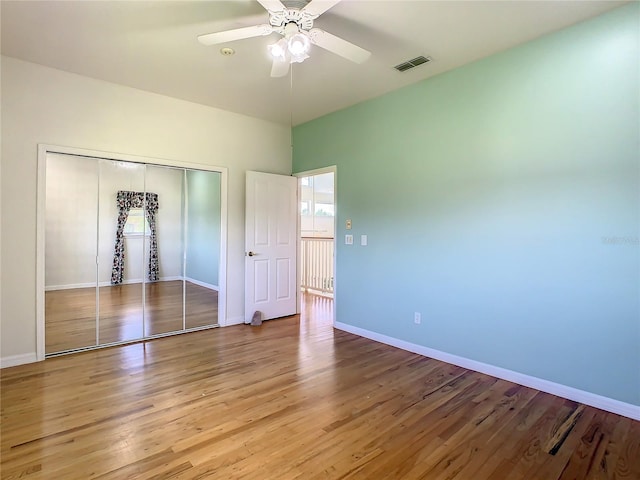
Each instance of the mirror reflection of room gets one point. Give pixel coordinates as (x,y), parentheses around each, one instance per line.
(131,251)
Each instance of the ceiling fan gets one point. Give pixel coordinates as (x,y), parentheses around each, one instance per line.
(293,19)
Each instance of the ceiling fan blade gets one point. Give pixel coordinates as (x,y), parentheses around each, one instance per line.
(338,46)
(279,68)
(318,7)
(272,5)
(237,34)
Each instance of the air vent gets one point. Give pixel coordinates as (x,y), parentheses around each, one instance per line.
(414,62)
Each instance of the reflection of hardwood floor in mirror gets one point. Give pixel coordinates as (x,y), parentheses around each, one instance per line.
(70,315)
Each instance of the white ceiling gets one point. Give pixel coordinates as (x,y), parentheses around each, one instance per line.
(151,45)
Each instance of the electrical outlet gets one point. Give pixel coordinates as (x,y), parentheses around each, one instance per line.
(348,239)
(416,318)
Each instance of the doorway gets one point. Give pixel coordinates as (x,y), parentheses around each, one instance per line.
(317,230)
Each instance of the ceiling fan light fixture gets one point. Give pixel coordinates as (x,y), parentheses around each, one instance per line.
(299,45)
(292,49)
(279,49)
(299,58)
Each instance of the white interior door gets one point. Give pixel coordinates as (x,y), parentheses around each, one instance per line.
(270,245)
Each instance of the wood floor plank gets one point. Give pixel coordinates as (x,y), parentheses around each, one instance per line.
(294,399)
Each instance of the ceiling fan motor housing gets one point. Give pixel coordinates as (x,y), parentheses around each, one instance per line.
(279,20)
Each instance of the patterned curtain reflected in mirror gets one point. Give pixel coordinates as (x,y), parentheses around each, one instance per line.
(126,201)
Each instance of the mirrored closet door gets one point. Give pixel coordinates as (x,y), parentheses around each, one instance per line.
(202,226)
(132,251)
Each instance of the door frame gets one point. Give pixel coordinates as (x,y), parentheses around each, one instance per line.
(308,173)
(43,150)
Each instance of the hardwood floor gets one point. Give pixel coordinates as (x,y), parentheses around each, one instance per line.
(70,315)
(294,399)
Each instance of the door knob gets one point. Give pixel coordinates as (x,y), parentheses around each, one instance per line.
(251,254)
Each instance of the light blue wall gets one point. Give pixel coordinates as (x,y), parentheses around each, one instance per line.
(203,226)
(501,200)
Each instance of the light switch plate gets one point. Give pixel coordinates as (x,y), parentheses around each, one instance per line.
(363,240)
(348,239)
(348,224)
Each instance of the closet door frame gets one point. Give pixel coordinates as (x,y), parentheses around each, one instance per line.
(43,151)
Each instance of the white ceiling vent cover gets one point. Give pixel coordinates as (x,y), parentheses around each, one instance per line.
(414,62)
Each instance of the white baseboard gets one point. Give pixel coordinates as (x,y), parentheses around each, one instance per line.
(14,360)
(202,284)
(70,286)
(168,279)
(108,284)
(232,321)
(581,396)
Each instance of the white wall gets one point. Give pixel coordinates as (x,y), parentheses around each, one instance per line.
(44,105)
